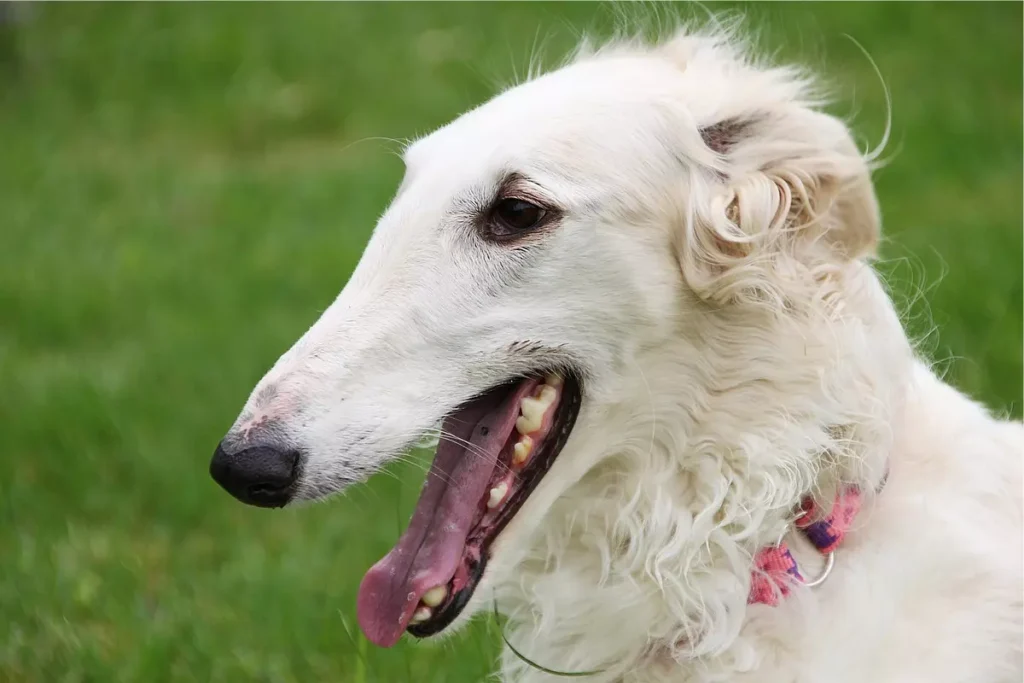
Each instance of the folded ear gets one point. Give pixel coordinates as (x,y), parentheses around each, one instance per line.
(788,205)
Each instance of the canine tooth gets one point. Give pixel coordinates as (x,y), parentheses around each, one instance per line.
(554,379)
(421,615)
(548,394)
(497,495)
(521,451)
(435,596)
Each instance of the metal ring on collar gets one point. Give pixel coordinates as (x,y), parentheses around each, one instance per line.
(830,561)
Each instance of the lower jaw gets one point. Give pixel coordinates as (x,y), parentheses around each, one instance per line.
(444,618)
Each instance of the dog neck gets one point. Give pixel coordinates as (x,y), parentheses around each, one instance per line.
(651,551)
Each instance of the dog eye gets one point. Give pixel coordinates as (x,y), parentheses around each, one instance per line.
(511,217)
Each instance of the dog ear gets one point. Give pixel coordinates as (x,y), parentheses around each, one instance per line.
(789,205)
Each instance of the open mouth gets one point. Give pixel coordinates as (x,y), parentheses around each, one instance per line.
(495,450)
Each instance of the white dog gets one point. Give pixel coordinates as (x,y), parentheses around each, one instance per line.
(636,292)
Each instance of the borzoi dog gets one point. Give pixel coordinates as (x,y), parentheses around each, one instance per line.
(683,434)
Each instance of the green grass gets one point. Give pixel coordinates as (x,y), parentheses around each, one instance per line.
(183,188)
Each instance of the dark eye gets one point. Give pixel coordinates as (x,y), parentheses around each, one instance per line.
(512,217)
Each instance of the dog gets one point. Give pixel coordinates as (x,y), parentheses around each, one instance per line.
(633,299)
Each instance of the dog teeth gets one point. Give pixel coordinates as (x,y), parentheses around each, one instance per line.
(525,426)
(532,410)
(421,615)
(521,451)
(497,495)
(435,596)
(554,380)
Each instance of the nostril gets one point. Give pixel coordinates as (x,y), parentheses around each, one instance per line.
(261,475)
(262,491)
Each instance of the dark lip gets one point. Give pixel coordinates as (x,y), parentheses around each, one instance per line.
(565,421)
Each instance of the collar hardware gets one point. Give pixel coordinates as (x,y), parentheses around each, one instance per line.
(830,561)
(776,570)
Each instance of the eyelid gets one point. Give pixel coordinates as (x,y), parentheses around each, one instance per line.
(519,187)
(522,197)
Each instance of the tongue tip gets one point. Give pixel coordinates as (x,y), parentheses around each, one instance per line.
(368,613)
(382,638)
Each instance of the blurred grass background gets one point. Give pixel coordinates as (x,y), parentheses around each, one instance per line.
(183,188)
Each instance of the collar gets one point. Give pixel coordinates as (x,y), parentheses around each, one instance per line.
(776,571)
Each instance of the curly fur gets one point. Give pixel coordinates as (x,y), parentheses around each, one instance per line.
(711,280)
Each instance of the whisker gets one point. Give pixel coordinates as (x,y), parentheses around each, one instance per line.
(471,448)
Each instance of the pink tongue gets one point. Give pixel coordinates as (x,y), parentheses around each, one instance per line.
(429,551)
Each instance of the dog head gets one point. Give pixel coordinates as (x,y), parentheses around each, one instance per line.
(540,250)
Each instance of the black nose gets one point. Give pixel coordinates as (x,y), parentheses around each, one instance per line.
(262,475)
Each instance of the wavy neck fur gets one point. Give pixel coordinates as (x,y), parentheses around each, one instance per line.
(649,553)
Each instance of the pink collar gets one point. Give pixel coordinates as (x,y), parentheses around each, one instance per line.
(775,570)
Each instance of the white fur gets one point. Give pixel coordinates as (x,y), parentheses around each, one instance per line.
(738,352)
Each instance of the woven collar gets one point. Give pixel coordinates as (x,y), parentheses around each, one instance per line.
(775,569)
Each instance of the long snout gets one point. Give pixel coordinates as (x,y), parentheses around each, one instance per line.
(381,366)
